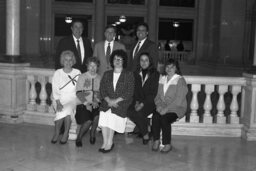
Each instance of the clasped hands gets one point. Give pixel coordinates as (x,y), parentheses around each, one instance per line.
(138,106)
(162,110)
(113,102)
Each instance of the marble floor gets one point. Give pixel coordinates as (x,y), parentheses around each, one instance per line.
(27,147)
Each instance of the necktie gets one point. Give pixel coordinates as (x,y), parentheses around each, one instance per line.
(78,49)
(108,52)
(137,49)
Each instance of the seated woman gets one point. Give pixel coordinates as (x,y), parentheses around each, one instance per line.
(171,104)
(116,89)
(64,94)
(87,91)
(87,115)
(146,84)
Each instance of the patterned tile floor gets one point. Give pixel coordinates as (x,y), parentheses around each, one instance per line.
(27,147)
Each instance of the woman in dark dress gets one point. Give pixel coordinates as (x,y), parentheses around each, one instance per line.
(87,91)
(146,84)
(116,90)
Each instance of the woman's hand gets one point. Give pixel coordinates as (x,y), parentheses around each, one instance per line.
(163,111)
(95,105)
(139,107)
(59,106)
(89,107)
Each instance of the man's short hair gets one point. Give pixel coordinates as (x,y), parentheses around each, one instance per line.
(77,21)
(110,26)
(142,24)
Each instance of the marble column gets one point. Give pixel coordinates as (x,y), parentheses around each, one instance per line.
(248,111)
(12,31)
(152,18)
(99,21)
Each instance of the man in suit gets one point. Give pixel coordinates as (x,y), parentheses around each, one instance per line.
(104,49)
(79,45)
(143,45)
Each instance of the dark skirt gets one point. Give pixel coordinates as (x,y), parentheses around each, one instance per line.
(83,115)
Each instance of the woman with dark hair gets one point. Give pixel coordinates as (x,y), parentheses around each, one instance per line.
(146,84)
(116,90)
(171,104)
(87,91)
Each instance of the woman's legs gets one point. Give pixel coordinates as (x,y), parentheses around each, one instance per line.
(105,133)
(93,129)
(83,129)
(166,121)
(67,123)
(57,128)
(156,127)
(109,139)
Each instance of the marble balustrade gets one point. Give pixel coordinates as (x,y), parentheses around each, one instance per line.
(213,104)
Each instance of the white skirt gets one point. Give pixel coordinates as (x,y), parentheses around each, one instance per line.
(112,121)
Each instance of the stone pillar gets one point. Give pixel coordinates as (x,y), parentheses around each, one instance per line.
(13,96)
(99,20)
(248,111)
(153,19)
(13,31)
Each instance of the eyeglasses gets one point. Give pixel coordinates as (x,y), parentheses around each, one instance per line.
(118,59)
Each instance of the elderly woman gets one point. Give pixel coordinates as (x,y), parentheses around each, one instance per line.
(171,104)
(64,94)
(146,84)
(87,89)
(116,89)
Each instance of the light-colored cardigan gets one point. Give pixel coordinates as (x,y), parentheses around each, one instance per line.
(175,96)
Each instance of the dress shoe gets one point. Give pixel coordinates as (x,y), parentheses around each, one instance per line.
(166,149)
(79,143)
(92,140)
(54,141)
(107,151)
(63,142)
(156,145)
(145,141)
(101,150)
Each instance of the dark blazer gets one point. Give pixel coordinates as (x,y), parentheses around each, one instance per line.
(149,47)
(68,43)
(124,89)
(146,93)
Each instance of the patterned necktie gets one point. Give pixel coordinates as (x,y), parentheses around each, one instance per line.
(78,49)
(108,52)
(137,49)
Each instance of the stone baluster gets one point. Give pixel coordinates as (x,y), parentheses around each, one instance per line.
(51,109)
(43,95)
(32,93)
(221,104)
(234,119)
(194,118)
(208,104)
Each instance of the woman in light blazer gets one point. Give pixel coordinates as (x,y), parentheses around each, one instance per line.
(171,104)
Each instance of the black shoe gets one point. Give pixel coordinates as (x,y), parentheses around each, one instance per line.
(92,140)
(54,141)
(101,150)
(145,141)
(63,142)
(79,143)
(107,151)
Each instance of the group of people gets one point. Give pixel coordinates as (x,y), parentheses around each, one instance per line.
(111,87)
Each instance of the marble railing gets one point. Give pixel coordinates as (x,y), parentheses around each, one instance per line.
(179,56)
(214,104)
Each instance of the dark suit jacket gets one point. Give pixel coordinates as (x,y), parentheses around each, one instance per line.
(124,89)
(149,47)
(146,93)
(68,43)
